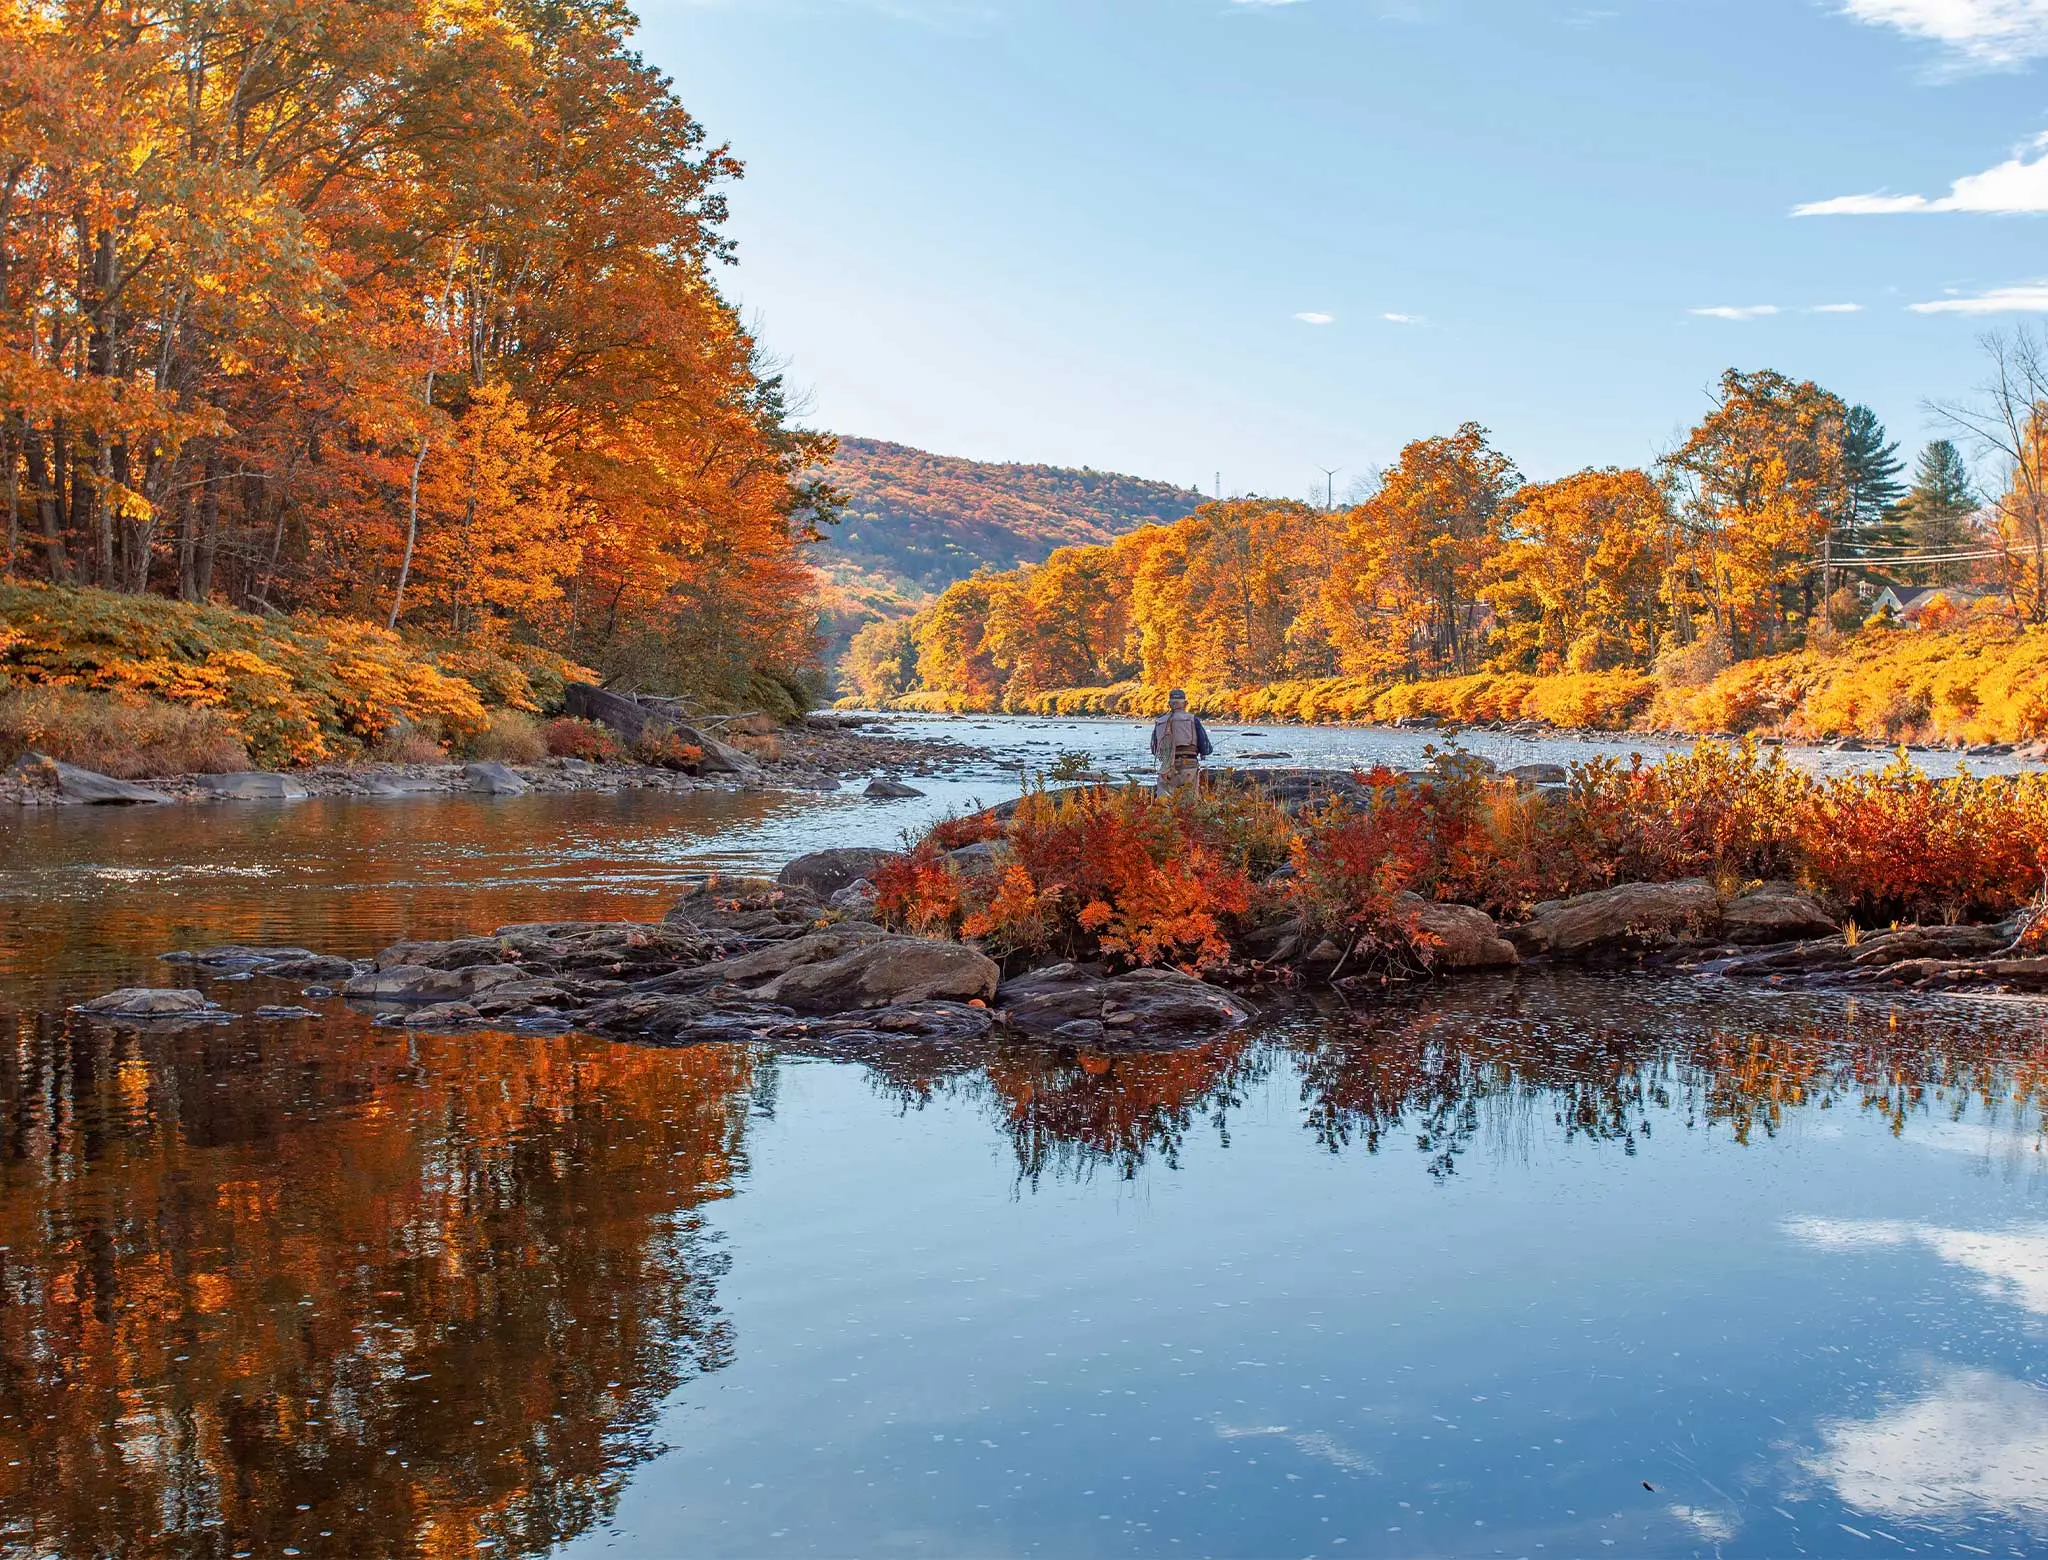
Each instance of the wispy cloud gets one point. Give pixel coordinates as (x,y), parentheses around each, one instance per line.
(2021,298)
(2017,185)
(2010,1265)
(1731,311)
(1404,319)
(1996,33)
(1836,308)
(1312,317)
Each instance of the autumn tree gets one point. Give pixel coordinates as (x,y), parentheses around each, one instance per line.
(1575,585)
(1756,486)
(1405,590)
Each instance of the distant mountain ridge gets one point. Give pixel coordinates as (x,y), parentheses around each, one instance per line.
(916,522)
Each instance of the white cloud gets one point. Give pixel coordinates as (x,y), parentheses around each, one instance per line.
(1975,1443)
(1981,32)
(1836,308)
(1716,1527)
(1311,317)
(2011,1265)
(1747,311)
(2023,298)
(1403,319)
(2017,185)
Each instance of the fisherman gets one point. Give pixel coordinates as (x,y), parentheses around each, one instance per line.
(1179,742)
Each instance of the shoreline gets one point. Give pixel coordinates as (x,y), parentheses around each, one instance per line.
(820,758)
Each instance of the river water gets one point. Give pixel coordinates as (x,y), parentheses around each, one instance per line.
(1527,1265)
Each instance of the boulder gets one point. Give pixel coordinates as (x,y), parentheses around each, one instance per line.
(1775,912)
(825,872)
(1452,937)
(1083,1004)
(883,971)
(149,1002)
(857,900)
(779,957)
(1537,774)
(628,717)
(981,859)
(416,983)
(253,786)
(720,758)
(493,780)
(633,721)
(1626,918)
(83,785)
(890,790)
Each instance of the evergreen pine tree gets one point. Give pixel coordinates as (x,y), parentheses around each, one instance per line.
(1936,514)
(1870,484)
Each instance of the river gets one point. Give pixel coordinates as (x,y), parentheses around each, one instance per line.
(1526,1265)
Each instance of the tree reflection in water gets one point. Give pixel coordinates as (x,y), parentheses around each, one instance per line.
(345,1291)
(1601,1061)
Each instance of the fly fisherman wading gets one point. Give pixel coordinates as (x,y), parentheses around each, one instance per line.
(1179,742)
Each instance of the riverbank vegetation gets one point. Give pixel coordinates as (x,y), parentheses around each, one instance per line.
(1773,571)
(400,330)
(1140,878)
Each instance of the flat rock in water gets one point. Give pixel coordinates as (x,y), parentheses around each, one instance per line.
(237,956)
(494,780)
(825,872)
(439,1014)
(416,983)
(883,971)
(149,1002)
(1082,1004)
(1625,918)
(284,1012)
(890,790)
(253,786)
(1537,774)
(83,785)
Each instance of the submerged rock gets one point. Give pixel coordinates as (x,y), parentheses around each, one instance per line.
(1084,1004)
(237,956)
(1627,918)
(149,1002)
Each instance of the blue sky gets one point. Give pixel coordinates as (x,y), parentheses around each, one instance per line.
(1174,237)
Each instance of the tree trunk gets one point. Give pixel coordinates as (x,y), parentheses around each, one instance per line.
(209,526)
(46,485)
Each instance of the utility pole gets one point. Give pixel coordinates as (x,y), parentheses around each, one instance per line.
(1329,486)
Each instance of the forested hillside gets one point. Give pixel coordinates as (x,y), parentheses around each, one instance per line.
(1780,524)
(916,522)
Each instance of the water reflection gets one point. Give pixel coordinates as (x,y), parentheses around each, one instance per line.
(264,1291)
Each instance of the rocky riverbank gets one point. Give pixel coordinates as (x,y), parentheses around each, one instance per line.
(824,754)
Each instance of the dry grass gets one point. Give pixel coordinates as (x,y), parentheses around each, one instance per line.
(511,737)
(409,745)
(126,736)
